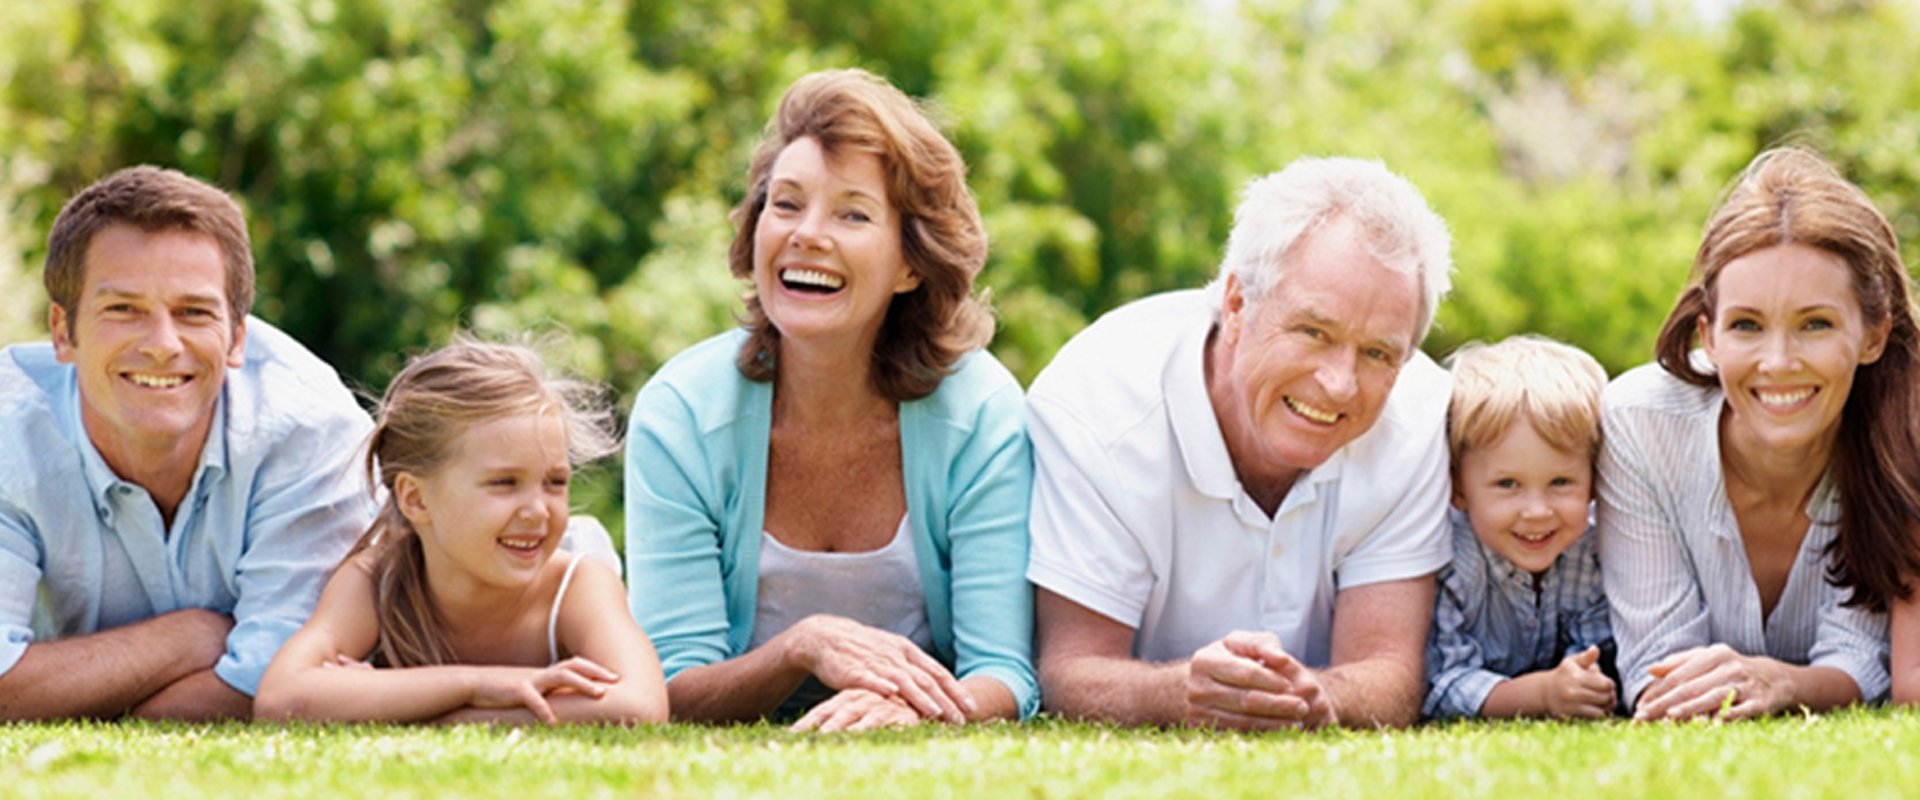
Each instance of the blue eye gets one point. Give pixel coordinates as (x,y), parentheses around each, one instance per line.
(1819,324)
(1745,325)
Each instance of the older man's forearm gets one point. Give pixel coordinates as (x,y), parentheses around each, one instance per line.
(1377,692)
(1111,689)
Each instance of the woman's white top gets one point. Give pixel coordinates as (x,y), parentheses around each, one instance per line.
(879,588)
(1675,567)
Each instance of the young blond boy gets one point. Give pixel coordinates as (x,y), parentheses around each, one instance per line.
(1521,623)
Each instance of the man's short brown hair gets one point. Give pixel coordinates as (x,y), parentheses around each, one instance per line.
(151,199)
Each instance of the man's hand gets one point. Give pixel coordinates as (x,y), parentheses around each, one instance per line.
(1247,680)
(168,659)
(1577,689)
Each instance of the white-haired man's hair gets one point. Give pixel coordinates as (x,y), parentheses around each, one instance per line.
(1396,227)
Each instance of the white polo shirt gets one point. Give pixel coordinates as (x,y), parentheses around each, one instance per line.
(1138,515)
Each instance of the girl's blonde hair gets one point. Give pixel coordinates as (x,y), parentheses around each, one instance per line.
(1555,387)
(436,398)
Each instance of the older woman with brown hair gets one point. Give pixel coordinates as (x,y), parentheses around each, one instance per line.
(1759,496)
(827,509)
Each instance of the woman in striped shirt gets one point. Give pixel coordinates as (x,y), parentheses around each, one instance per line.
(1759,496)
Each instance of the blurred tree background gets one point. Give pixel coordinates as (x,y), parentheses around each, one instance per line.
(411,167)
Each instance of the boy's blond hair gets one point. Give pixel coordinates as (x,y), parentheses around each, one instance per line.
(1555,387)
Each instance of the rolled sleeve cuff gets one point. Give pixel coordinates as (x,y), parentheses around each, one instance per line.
(1866,669)
(1462,693)
(250,648)
(14,646)
(1026,696)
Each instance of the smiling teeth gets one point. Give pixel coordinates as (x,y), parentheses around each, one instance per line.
(521,544)
(1535,538)
(157,381)
(1784,398)
(812,277)
(1322,417)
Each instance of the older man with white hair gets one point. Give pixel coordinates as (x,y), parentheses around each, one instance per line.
(1240,492)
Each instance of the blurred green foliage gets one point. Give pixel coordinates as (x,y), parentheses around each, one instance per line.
(415,166)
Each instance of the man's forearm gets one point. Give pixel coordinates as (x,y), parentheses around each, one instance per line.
(1120,690)
(199,697)
(109,673)
(1378,692)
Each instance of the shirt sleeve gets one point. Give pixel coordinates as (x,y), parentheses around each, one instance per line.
(19,586)
(1854,641)
(1412,538)
(987,529)
(1657,605)
(1082,550)
(310,502)
(674,581)
(1457,679)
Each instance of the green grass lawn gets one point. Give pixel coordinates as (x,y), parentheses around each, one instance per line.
(1860,754)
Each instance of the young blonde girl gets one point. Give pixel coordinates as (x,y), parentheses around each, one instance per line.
(457,603)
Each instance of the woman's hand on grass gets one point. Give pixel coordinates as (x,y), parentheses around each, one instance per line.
(1714,681)
(846,655)
(858,710)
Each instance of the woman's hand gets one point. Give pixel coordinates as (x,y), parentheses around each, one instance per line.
(845,655)
(515,687)
(1714,681)
(858,710)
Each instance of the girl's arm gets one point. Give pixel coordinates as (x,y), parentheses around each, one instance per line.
(595,625)
(305,682)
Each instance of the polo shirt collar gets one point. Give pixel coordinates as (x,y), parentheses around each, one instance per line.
(1196,430)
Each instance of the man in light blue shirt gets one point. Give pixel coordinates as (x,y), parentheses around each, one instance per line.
(178,477)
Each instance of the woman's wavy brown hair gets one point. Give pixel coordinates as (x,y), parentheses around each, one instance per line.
(1793,196)
(437,397)
(926,329)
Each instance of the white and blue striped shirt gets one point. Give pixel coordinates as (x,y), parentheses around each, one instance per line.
(1676,569)
(1490,625)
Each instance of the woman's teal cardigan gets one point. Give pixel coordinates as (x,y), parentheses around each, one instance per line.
(696,478)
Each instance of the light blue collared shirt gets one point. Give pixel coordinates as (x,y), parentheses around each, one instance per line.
(275,502)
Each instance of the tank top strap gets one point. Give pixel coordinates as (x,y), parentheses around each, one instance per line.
(553,616)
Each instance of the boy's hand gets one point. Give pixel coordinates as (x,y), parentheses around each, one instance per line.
(1578,689)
